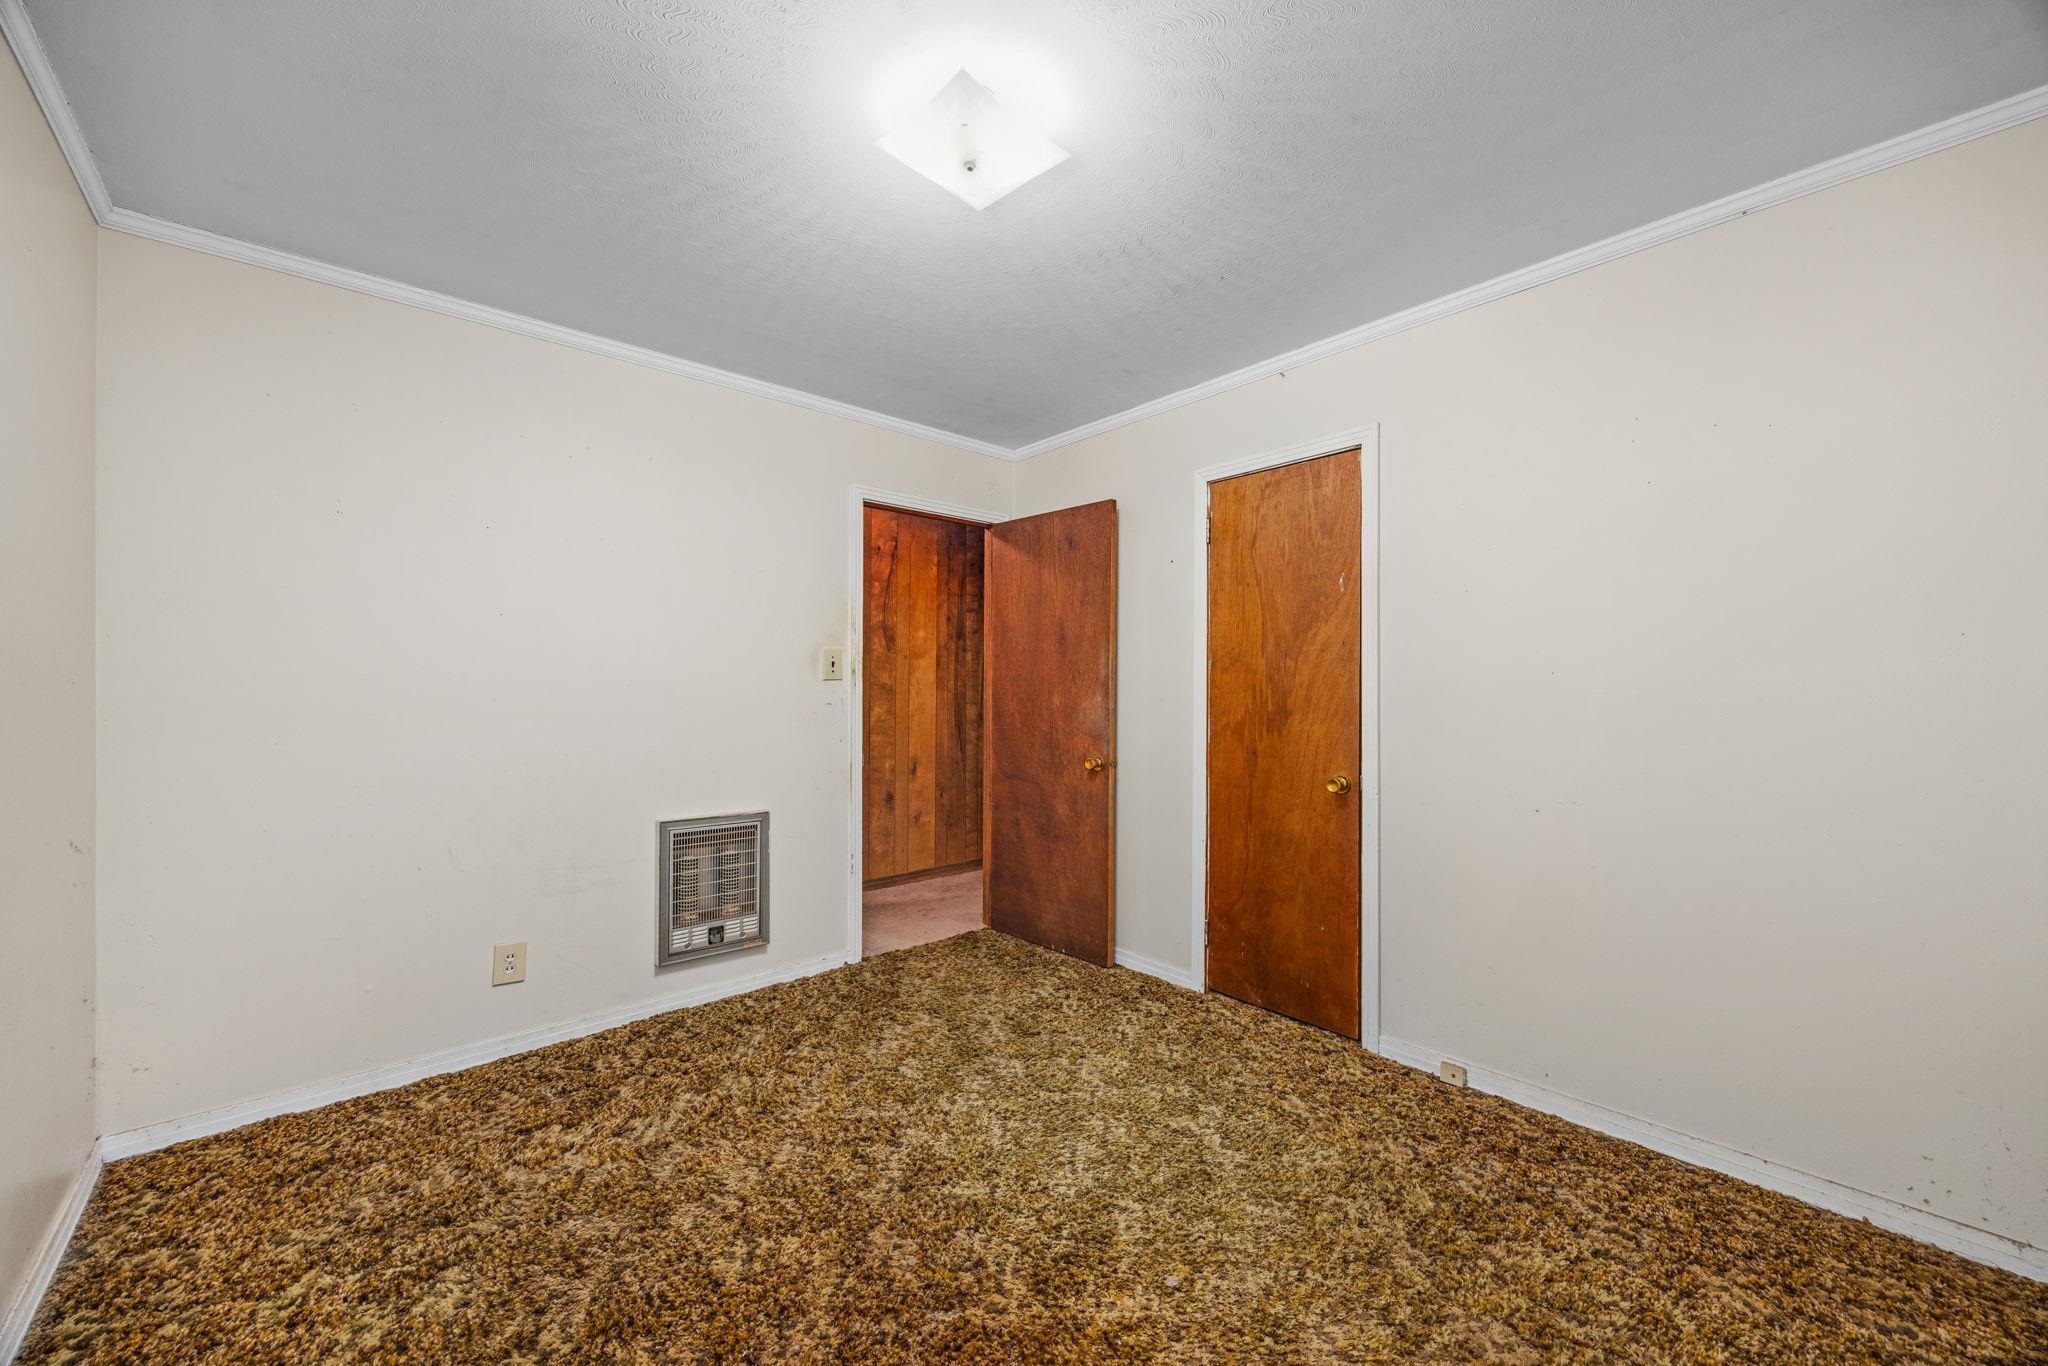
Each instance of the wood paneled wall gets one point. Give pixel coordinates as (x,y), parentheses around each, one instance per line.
(921,662)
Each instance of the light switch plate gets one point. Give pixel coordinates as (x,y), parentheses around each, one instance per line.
(832,665)
(1452,1072)
(508,964)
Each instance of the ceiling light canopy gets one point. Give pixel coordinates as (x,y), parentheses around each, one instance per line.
(965,140)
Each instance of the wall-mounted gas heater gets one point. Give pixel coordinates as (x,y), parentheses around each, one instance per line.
(714,886)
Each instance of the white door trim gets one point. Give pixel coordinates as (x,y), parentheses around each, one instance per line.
(1367,439)
(858,497)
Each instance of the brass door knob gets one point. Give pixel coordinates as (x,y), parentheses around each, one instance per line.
(1095,763)
(1339,785)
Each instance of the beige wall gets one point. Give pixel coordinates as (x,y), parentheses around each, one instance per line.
(1714,759)
(413,630)
(1714,661)
(46,679)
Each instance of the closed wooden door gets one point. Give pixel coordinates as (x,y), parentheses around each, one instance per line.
(920,695)
(1049,662)
(1284,781)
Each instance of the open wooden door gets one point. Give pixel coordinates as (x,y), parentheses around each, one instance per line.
(1049,675)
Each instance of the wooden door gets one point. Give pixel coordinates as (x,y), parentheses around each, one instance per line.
(920,696)
(1284,782)
(1049,661)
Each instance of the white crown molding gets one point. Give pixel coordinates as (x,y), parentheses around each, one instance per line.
(153,1136)
(22,1312)
(42,79)
(234,249)
(1992,118)
(1967,1240)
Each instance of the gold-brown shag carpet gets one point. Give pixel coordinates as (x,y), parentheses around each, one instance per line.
(976,1150)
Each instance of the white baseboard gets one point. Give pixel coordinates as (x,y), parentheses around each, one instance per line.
(1152,967)
(43,1269)
(151,1137)
(1967,1240)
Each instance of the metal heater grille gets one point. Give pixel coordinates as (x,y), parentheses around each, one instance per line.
(714,886)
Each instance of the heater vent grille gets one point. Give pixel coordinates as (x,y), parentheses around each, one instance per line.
(714,886)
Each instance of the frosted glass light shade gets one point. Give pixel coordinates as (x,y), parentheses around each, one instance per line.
(964,140)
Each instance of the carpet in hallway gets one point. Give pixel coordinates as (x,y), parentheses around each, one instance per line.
(977,1150)
(918,912)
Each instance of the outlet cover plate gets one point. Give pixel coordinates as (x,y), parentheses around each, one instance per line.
(508,963)
(1452,1072)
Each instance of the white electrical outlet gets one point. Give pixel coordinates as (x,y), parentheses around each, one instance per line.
(508,964)
(1452,1072)
(832,665)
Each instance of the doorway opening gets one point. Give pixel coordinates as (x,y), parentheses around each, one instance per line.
(983,728)
(921,727)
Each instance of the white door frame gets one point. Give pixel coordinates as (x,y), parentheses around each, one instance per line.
(858,497)
(1367,439)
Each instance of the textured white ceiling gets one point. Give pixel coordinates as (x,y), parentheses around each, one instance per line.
(701,178)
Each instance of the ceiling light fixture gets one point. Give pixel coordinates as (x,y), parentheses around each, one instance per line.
(965,140)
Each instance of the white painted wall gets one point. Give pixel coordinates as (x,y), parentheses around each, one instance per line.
(1714,671)
(46,680)
(411,632)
